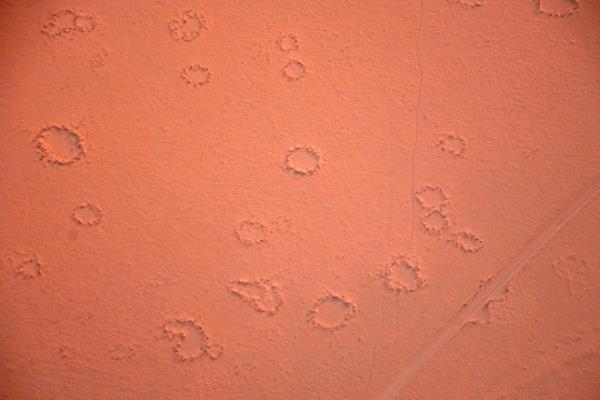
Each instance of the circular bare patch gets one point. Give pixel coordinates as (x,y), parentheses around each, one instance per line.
(431,197)
(303,161)
(574,269)
(294,70)
(557,8)
(59,145)
(402,275)
(187,26)
(288,42)
(190,340)
(87,215)
(435,222)
(30,268)
(68,22)
(453,144)
(466,241)
(85,23)
(261,294)
(251,232)
(196,75)
(25,264)
(332,312)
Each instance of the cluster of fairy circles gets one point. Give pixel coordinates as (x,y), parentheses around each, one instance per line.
(294,69)
(551,8)
(190,341)
(332,312)
(402,275)
(187,26)
(432,199)
(299,161)
(59,145)
(435,221)
(67,23)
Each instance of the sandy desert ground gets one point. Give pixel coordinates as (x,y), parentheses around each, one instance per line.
(299,199)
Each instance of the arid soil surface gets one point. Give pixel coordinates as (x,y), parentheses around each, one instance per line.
(336,200)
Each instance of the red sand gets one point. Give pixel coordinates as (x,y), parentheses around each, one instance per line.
(300,200)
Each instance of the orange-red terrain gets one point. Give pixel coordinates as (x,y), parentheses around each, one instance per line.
(337,200)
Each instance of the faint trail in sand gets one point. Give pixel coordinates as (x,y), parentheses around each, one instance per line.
(379,327)
(417,124)
(489,291)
